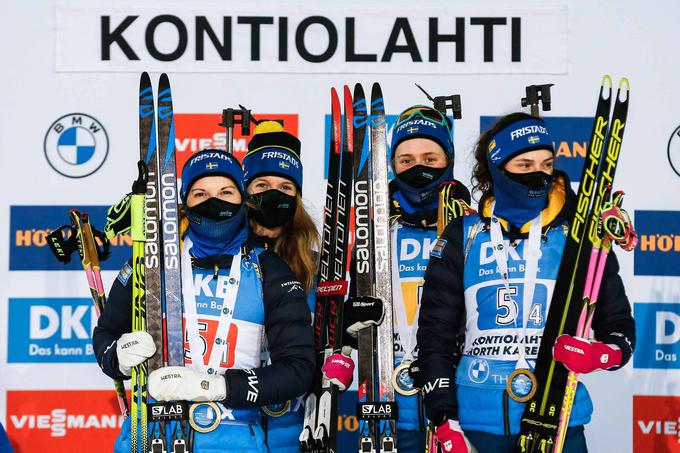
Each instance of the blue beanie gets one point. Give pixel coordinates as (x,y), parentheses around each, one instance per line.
(423,122)
(272,151)
(519,137)
(210,162)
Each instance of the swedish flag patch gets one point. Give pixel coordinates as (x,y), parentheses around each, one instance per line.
(124,274)
(438,248)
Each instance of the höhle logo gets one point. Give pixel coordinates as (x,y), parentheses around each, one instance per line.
(50,330)
(30,225)
(658,252)
(570,136)
(658,336)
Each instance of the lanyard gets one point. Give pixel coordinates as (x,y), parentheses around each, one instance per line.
(531,254)
(407,334)
(191,316)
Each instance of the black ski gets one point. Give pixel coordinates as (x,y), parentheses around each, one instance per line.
(320,423)
(363,274)
(541,415)
(172,283)
(139,199)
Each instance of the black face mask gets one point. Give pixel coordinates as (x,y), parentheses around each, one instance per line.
(421,176)
(272,208)
(536,180)
(214,209)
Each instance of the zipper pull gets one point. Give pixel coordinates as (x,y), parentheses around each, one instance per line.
(217,270)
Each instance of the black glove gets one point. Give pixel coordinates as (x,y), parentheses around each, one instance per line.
(416,375)
(361,312)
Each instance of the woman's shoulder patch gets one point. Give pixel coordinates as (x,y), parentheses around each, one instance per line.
(438,248)
(124,274)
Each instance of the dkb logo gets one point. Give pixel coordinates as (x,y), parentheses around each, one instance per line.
(658,336)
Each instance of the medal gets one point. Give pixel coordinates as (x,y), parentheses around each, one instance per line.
(521,385)
(402,381)
(204,417)
(276,410)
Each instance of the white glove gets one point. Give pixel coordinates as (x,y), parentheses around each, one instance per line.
(132,349)
(178,383)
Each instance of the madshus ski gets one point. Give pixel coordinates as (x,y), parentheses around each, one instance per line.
(542,413)
(319,432)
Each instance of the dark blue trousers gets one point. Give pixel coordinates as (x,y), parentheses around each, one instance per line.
(488,443)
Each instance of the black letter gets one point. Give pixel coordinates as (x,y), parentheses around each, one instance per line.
(181,31)
(458,37)
(283,39)
(516,30)
(255,22)
(109,37)
(223,48)
(349,44)
(401,23)
(332,39)
(488,23)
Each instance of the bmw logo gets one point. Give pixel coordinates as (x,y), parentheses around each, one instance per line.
(674,150)
(76,145)
(478,372)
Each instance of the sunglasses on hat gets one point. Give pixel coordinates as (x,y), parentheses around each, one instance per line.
(425,113)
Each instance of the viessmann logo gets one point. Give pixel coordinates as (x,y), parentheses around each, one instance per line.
(570,138)
(656,424)
(45,420)
(658,335)
(658,252)
(50,330)
(197,131)
(30,225)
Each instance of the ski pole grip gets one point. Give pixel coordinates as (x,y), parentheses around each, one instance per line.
(137,231)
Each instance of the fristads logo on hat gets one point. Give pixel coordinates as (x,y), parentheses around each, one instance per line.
(76,145)
(522,131)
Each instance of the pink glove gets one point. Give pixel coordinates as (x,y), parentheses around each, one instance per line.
(450,436)
(585,356)
(339,368)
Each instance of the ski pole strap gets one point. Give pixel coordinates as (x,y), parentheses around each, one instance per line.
(63,242)
(118,218)
(617,224)
(104,248)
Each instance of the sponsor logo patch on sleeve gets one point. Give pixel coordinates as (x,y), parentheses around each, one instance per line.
(124,274)
(438,248)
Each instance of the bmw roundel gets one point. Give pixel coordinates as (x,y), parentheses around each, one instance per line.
(76,145)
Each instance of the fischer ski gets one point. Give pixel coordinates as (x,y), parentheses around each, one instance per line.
(541,418)
(382,268)
(613,226)
(320,422)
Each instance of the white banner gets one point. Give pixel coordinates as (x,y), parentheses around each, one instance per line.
(430,39)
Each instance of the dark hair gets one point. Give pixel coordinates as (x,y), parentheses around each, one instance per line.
(481,178)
